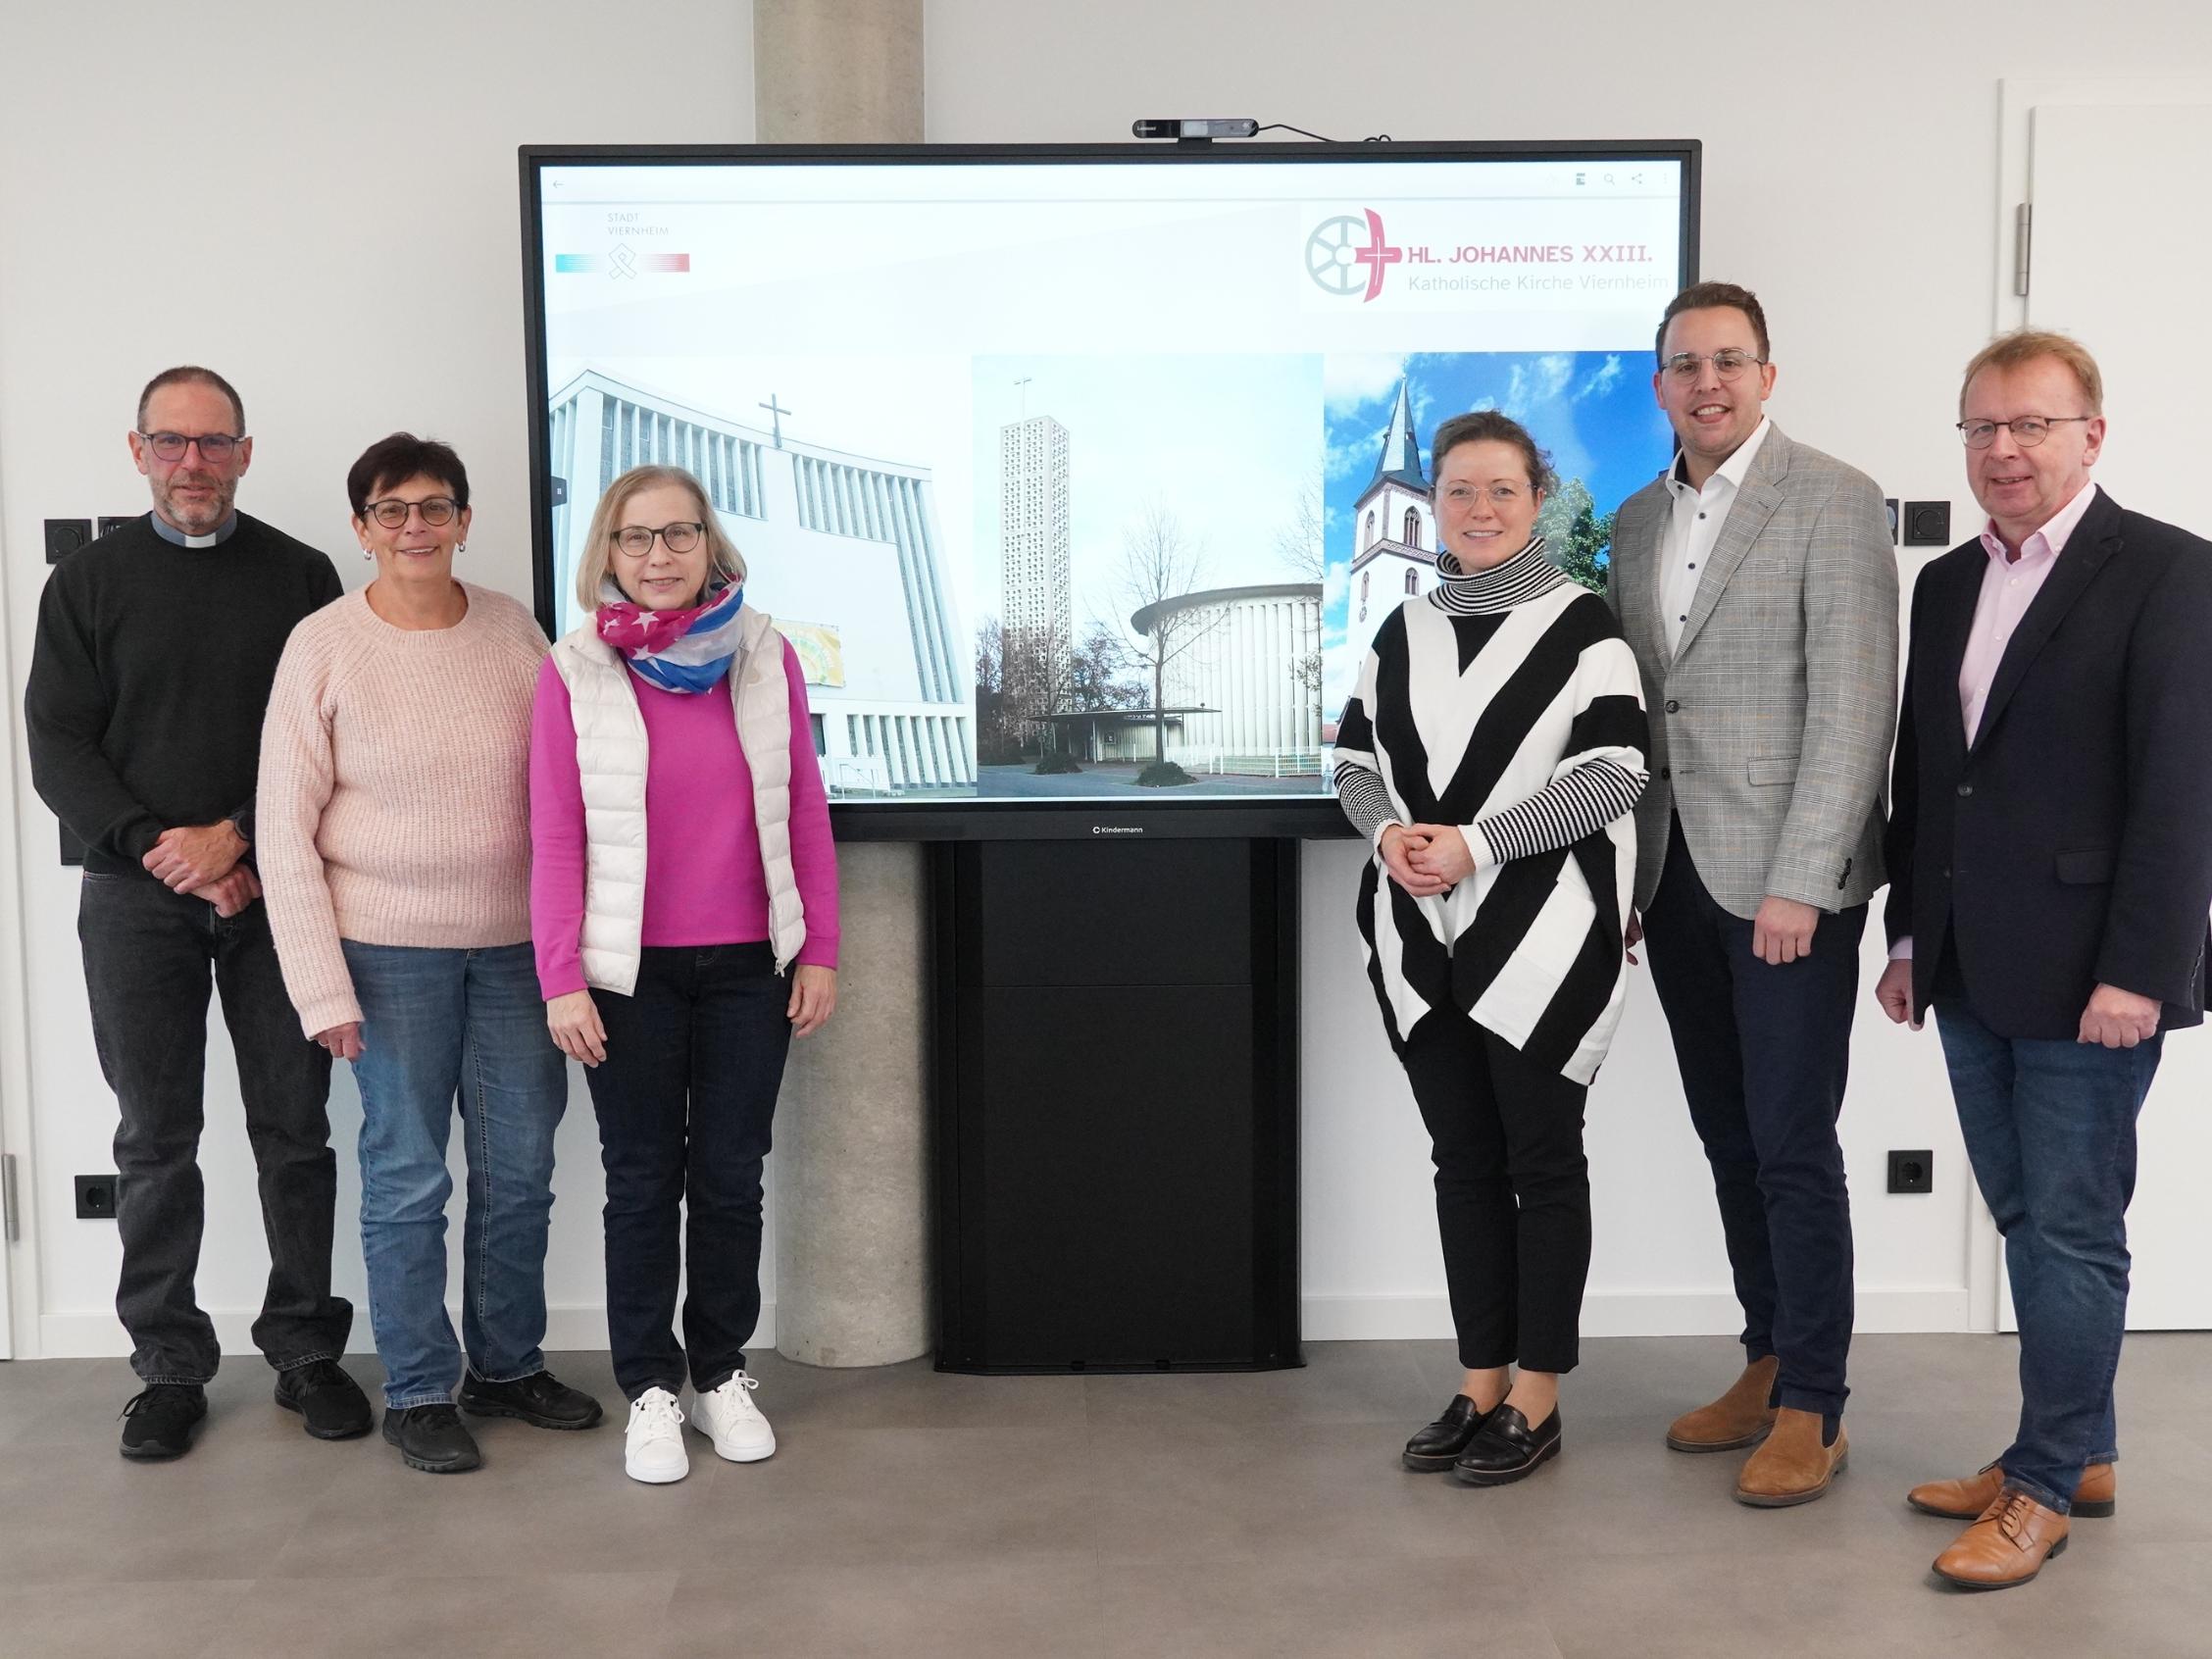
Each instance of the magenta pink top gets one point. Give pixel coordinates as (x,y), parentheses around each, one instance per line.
(703,879)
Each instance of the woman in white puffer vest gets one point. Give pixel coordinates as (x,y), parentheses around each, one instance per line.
(683,903)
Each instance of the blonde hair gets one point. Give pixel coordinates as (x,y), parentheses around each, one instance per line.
(722,557)
(2029,345)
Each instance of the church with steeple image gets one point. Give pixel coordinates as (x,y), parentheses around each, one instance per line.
(1393,527)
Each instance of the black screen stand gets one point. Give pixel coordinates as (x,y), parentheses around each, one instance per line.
(1115,1092)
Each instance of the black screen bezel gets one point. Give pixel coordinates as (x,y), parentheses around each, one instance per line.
(972,820)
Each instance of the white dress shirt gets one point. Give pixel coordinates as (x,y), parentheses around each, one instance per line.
(1694,528)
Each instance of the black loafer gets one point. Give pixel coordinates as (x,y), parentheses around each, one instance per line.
(159,1421)
(331,1403)
(1432,1450)
(431,1438)
(540,1399)
(1507,1449)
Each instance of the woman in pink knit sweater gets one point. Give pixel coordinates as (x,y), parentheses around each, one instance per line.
(683,898)
(394,853)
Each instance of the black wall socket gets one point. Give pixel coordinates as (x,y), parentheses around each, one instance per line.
(64,536)
(1912,1172)
(95,1197)
(1928,524)
(109,523)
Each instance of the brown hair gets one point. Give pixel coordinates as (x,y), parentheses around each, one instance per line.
(1491,426)
(394,460)
(722,557)
(1713,296)
(192,375)
(2029,345)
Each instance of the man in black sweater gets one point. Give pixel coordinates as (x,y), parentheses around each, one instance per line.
(155,651)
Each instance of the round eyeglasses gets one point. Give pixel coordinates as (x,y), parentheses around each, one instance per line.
(635,541)
(1729,363)
(2026,431)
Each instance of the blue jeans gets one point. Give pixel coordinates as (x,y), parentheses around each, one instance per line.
(437,1024)
(2051,1129)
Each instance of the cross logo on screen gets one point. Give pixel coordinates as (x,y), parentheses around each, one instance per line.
(1347,255)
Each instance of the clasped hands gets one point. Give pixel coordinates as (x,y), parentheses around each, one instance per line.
(1426,859)
(202,860)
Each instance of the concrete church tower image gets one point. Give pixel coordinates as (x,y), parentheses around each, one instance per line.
(1036,592)
(843,550)
(1393,527)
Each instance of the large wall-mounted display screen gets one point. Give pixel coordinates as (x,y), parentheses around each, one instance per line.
(1081,478)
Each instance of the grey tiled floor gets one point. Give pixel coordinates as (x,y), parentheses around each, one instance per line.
(909,1513)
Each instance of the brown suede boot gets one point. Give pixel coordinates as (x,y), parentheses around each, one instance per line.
(2008,1546)
(2096,1498)
(1739,1418)
(1792,1467)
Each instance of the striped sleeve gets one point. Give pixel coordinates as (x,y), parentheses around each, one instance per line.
(1598,779)
(1366,800)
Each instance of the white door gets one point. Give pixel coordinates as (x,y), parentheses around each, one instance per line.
(2118,251)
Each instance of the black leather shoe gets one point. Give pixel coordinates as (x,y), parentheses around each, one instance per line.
(540,1399)
(431,1438)
(329,1401)
(1507,1449)
(157,1421)
(1433,1449)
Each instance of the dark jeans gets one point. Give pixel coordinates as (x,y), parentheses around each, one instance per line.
(2051,1129)
(686,1098)
(1764,1051)
(1512,1194)
(147,957)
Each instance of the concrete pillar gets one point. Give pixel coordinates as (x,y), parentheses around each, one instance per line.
(837,71)
(852,1166)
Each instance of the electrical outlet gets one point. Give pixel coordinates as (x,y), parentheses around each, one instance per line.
(109,523)
(64,536)
(1888,506)
(1912,1172)
(95,1197)
(1928,524)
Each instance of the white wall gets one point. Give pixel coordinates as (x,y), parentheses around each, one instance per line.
(1850,177)
(329,217)
(321,203)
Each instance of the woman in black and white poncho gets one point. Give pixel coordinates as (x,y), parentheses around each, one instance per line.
(1491,753)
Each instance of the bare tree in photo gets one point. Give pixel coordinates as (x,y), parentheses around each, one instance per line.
(1161,563)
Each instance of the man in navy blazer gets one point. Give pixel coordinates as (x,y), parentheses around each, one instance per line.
(2051,866)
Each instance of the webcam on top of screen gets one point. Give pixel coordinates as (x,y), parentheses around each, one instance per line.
(1198,127)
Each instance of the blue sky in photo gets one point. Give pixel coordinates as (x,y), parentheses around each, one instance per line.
(1592,410)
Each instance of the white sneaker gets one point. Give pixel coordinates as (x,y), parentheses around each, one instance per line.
(653,1447)
(727,1417)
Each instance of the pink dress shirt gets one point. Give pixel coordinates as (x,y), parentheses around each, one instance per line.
(2008,587)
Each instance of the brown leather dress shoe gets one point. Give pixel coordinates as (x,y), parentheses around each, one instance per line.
(1964,1500)
(1739,1418)
(1792,1467)
(2008,1546)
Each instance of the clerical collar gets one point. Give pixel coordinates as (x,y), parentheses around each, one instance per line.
(169,533)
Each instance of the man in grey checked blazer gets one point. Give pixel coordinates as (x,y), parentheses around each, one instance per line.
(1756,584)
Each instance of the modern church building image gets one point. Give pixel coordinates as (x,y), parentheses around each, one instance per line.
(847,557)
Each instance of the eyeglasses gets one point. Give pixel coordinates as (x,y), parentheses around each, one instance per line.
(2026,431)
(1502,494)
(215,447)
(392,512)
(635,541)
(1729,363)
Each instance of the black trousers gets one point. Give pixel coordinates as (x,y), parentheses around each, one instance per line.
(686,1100)
(1764,1051)
(148,956)
(1512,1194)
